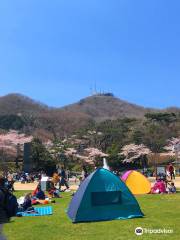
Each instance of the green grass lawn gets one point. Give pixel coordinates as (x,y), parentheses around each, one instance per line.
(161,211)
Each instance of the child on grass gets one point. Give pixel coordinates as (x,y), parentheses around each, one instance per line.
(172,189)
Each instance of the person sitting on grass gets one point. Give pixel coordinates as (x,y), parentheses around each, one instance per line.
(27,204)
(40,194)
(172,188)
(36,190)
(159,187)
(54,192)
(55,178)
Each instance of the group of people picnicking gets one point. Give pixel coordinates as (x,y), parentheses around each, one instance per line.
(11,206)
(57,184)
(38,196)
(164,182)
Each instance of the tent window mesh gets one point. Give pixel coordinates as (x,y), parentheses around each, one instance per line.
(105,198)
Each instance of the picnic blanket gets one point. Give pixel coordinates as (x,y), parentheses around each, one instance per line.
(39,211)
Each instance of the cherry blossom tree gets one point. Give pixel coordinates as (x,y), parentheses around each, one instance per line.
(134,152)
(9,142)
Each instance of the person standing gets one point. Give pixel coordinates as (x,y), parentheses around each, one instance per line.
(84,172)
(63,181)
(3,215)
(171,171)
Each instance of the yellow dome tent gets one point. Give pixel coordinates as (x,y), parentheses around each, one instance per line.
(137,182)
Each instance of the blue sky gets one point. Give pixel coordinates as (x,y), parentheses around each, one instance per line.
(55,51)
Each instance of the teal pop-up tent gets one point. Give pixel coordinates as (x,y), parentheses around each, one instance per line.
(103,196)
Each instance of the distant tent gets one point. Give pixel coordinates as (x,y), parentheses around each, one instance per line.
(137,182)
(103,196)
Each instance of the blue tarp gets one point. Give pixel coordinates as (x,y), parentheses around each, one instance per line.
(38,211)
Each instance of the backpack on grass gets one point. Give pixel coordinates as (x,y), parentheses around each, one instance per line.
(10,204)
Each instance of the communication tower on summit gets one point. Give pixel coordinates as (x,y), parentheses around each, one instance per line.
(94,91)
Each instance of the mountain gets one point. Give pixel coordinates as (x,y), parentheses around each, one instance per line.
(20,104)
(98,108)
(22,113)
(38,119)
(105,106)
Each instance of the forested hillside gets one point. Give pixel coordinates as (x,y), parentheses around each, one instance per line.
(97,126)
